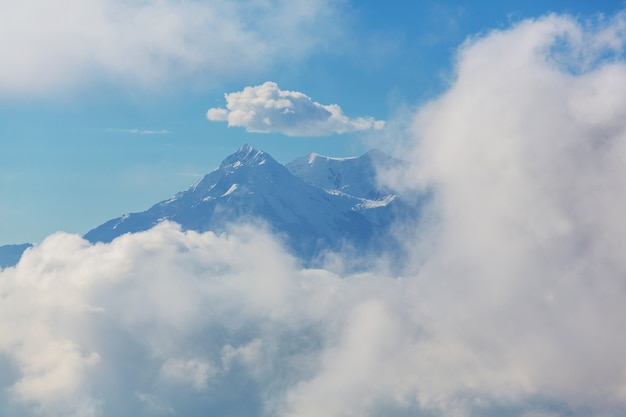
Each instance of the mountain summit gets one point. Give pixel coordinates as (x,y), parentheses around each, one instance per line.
(354,176)
(246,155)
(318,204)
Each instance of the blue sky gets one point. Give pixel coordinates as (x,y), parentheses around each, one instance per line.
(103,104)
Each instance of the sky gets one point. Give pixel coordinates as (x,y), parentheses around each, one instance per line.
(103,104)
(511,302)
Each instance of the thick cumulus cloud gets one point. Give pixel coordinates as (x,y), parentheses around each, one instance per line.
(140,326)
(171,323)
(56,44)
(522,264)
(266,108)
(512,303)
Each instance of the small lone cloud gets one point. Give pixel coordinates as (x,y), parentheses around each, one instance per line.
(139,131)
(266,108)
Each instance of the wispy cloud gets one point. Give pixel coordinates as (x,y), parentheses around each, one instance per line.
(55,45)
(266,108)
(139,131)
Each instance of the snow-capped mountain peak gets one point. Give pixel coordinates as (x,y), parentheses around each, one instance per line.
(355,176)
(315,203)
(315,207)
(246,155)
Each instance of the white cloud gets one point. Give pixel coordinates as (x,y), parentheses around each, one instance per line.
(139,131)
(525,154)
(195,371)
(513,306)
(164,315)
(266,108)
(56,44)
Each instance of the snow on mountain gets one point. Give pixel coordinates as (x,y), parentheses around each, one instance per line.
(354,176)
(315,203)
(358,177)
(250,185)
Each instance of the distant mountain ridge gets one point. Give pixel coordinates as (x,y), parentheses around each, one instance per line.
(356,176)
(250,185)
(11,254)
(314,203)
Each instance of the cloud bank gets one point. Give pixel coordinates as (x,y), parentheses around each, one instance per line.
(512,303)
(266,108)
(53,45)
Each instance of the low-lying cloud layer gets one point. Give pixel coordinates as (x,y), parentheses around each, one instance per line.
(513,303)
(266,108)
(53,45)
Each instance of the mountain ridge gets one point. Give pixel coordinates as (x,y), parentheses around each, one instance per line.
(356,176)
(314,203)
(11,254)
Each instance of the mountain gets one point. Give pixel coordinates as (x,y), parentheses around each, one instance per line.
(315,203)
(358,177)
(354,176)
(11,254)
